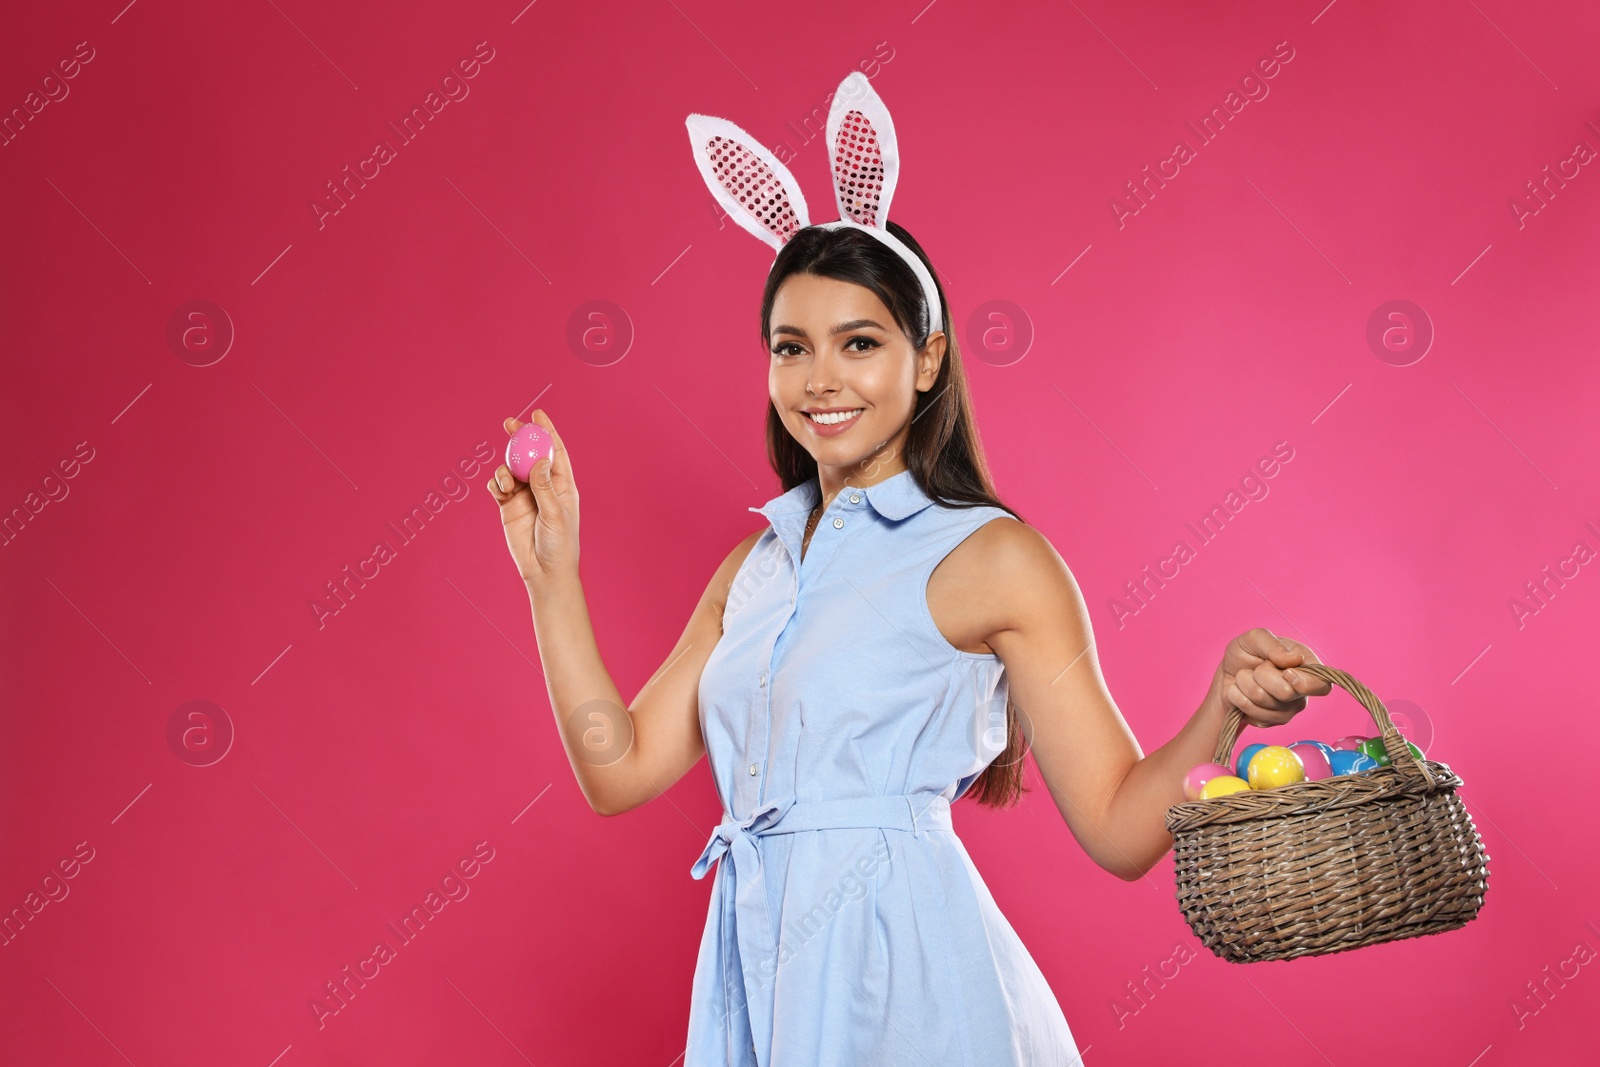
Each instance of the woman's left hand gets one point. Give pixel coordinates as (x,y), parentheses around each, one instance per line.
(1257,676)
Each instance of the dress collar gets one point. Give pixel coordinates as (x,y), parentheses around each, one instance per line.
(896,497)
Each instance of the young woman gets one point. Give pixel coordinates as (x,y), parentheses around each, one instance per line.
(853,667)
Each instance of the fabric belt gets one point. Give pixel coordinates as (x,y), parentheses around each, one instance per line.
(743,880)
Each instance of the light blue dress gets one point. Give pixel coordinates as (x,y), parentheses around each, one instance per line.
(847,923)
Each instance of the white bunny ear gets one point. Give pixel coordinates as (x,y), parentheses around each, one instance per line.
(863,152)
(755,189)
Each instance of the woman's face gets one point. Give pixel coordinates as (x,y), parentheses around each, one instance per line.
(844,376)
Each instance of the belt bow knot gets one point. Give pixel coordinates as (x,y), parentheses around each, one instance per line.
(746,922)
(729,831)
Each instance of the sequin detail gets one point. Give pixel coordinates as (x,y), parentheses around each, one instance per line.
(754,185)
(858,168)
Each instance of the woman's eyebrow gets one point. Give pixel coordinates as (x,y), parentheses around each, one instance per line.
(843,327)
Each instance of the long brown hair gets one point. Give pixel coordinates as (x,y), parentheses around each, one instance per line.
(943,451)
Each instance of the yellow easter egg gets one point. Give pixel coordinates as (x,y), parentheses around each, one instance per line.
(1222,785)
(1276,766)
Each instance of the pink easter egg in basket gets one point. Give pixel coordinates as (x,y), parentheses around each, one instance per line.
(1351,743)
(1314,759)
(527,447)
(1196,779)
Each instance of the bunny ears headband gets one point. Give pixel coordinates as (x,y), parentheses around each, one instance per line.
(760,194)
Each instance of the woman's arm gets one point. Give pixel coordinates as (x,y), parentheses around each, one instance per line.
(1031,613)
(621,756)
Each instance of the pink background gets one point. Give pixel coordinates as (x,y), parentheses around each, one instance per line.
(372,354)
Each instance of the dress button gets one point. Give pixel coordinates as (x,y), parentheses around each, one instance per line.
(838,524)
(752,770)
(762,681)
(855,498)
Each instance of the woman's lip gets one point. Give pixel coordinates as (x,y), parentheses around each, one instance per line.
(822,429)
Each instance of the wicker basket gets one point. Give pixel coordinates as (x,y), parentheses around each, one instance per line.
(1328,866)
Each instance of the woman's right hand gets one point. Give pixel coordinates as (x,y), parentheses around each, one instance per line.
(540,516)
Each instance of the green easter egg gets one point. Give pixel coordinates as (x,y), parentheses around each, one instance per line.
(1374,750)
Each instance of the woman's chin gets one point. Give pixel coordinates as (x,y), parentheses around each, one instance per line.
(843,449)
(841,457)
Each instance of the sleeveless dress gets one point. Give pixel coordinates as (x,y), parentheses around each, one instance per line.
(847,923)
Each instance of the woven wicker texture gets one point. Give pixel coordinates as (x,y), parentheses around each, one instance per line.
(1333,865)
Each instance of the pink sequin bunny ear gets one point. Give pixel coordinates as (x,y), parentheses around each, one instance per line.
(754,189)
(863,152)
(762,196)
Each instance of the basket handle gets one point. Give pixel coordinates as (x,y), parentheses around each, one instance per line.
(1400,755)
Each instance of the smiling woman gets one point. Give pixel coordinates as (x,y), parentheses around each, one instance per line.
(852,354)
(846,665)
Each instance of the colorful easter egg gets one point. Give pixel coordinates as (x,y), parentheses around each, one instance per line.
(1314,757)
(1222,785)
(1346,761)
(1374,750)
(1196,779)
(527,447)
(1275,767)
(1241,766)
(1350,743)
(1327,749)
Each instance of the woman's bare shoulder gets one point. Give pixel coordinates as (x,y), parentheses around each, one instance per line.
(736,557)
(1006,544)
(1011,565)
(722,578)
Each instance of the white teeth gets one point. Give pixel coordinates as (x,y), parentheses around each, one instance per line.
(833,418)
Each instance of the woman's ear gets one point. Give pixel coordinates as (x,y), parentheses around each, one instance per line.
(929,360)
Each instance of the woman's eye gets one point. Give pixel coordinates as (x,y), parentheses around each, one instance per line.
(791,348)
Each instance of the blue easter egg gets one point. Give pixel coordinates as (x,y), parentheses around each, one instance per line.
(1345,761)
(1242,767)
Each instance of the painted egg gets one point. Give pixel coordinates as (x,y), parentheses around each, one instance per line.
(1274,767)
(1196,779)
(527,447)
(1241,766)
(1347,762)
(1327,749)
(1374,750)
(1222,785)
(1314,756)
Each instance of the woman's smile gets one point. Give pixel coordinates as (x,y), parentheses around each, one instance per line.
(830,422)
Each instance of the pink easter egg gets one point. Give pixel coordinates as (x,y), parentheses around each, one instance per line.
(1196,779)
(1349,744)
(527,447)
(1315,760)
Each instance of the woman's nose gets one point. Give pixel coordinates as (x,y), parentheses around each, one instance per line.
(824,377)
